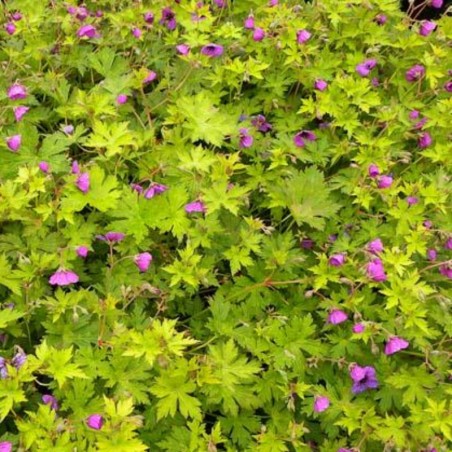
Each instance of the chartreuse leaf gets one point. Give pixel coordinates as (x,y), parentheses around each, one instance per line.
(8,277)
(10,394)
(8,315)
(111,137)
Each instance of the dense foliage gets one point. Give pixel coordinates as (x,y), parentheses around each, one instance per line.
(225,225)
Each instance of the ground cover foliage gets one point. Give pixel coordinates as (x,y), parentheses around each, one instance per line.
(225,226)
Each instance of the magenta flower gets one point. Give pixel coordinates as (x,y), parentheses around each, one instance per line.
(81,13)
(432,254)
(137,33)
(121,99)
(303,36)
(44,167)
(246,140)
(415,73)
(446,270)
(20,112)
(17,91)
(51,401)
(16,16)
(261,124)
(155,189)
(395,344)
(363,378)
(448,86)
(436,3)
(137,187)
(375,246)
(321,403)
(375,82)
(358,328)
(195,206)
(6,446)
(425,140)
(75,169)
(68,129)
(148,17)
(364,68)
(259,34)
(427,224)
(381,19)
(82,251)
(337,316)
(411,200)
(168,19)
(448,244)
(414,114)
(375,270)
(373,171)
(14,142)
(111,237)
(384,181)
(249,23)
(95,421)
(420,124)
(320,85)
(183,49)
(337,260)
(142,261)
(150,77)
(212,50)
(87,31)
(63,278)
(427,27)
(10,28)
(82,182)
(272,2)
(220,3)
(300,137)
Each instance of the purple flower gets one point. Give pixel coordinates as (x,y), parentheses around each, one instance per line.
(137,33)
(14,142)
(68,129)
(375,246)
(212,50)
(446,270)
(307,244)
(259,34)
(82,251)
(75,169)
(16,16)
(261,124)
(425,140)
(44,167)
(20,111)
(341,449)
(437,3)
(195,206)
(168,19)
(6,446)
(358,328)
(320,85)
(432,254)
(300,137)
(303,36)
(142,261)
(121,99)
(272,3)
(415,73)
(420,124)
(137,187)
(111,237)
(155,189)
(363,378)
(17,91)
(51,401)
(337,260)
(375,270)
(249,23)
(19,359)
(150,77)
(148,17)
(427,27)
(220,3)
(395,344)
(448,86)
(87,31)
(414,114)
(373,171)
(364,68)
(448,244)
(82,182)
(375,82)
(384,181)
(183,49)
(95,421)
(381,19)
(10,28)
(337,316)
(427,224)
(321,403)
(411,200)
(63,278)
(246,140)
